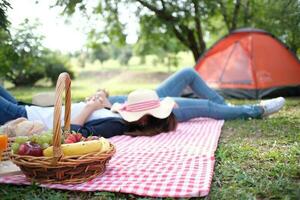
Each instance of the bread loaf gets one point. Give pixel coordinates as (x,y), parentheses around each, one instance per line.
(28,128)
(23,127)
(9,127)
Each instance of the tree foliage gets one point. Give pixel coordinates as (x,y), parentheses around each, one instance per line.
(55,63)
(26,69)
(4,5)
(99,53)
(24,60)
(125,55)
(189,21)
(187,24)
(98,49)
(7,53)
(282,18)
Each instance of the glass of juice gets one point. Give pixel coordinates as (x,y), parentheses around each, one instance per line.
(3,143)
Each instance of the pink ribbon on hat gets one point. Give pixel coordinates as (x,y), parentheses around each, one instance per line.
(141,106)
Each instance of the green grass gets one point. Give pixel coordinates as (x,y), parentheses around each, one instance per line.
(259,159)
(255,159)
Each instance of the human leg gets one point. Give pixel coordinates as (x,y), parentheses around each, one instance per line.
(175,84)
(193,108)
(10,111)
(6,95)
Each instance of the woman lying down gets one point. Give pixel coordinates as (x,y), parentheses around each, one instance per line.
(142,112)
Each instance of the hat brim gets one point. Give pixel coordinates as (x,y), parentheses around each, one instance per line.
(161,112)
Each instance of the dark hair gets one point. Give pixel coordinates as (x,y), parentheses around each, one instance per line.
(153,126)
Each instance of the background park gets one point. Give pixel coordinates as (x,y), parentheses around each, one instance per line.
(132,44)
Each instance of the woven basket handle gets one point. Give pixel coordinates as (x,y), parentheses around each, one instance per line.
(63,83)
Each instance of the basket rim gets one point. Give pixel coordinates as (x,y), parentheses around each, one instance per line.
(65,161)
(112,148)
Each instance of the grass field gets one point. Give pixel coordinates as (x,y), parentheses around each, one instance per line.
(256,159)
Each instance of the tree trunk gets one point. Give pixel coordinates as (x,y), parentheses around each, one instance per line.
(246,14)
(230,22)
(196,53)
(183,33)
(235,15)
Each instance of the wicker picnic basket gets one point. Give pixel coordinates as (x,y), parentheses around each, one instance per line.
(59,168)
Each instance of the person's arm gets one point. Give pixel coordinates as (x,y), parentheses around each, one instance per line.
(101,94)
(91,105)
(107,127)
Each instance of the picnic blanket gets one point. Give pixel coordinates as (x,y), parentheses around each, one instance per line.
(175,164)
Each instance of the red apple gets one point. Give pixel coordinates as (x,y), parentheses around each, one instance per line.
(30,148)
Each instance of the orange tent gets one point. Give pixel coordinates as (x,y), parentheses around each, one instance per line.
(250,63)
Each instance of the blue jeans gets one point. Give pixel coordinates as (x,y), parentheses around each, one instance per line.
(9,108)
(213,106)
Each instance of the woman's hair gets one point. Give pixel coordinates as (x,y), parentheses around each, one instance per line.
(153,126)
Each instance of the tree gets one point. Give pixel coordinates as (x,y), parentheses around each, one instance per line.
(4,5)
(26,68)
(180,19)
(98,48)
(23,59)
(126,54)
(5,47)
(55,63)
(151,41)
(189,21)
(99,53)
(281,19)
(7,53)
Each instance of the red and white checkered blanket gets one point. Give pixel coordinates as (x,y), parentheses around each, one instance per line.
(177,164)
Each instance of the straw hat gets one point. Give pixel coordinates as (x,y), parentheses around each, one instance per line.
(142,102)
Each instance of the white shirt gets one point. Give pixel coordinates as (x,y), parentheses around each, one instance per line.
(45,114)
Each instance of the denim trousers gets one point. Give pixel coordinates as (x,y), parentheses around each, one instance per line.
(9,108)
(212,105)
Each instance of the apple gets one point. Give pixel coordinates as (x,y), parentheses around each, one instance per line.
(31,149)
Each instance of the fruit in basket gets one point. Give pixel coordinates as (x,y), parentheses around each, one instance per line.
(80,148)
(15,147)
(45,146)
(78,136)
(42,139)
(31,149)
(73,138)
(33,145)
(21,139)
(105,144)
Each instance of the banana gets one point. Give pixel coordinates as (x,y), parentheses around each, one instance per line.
(80,148)
(105,144)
